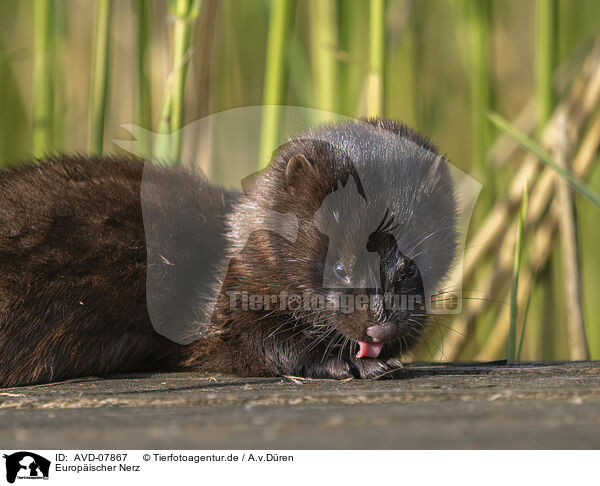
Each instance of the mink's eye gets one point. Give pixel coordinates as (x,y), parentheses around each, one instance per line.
(411,269)
(340,271)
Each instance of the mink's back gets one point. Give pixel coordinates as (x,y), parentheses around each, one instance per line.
(73,263)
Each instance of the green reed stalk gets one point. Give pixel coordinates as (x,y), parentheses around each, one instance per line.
(511,342)
(274,78)
(324,39)
(144,97)
(409,64)
(99,90)
(185,13)
(301,82)
(143,93)
(43,93)
(60,49)
(377,50)
(4,74)
(15,134)
(479,21)
(351,33)
(524,324)
(545,58)
(163,147)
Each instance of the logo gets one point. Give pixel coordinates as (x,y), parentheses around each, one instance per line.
(361,219)
(26,465)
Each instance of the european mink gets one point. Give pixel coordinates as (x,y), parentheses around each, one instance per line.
(373,212)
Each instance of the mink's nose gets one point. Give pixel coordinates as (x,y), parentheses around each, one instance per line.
(383,332)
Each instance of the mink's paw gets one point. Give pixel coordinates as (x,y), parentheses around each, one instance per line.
(373,369)
(366,368)
(337,369)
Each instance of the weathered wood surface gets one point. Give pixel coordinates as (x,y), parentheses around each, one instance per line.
(536,405)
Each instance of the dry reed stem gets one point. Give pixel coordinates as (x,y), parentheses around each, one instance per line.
(581,102)
(570,257)
(541,248)
(505,146)
(542,244)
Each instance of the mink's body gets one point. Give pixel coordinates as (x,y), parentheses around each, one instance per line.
(74,257)
(73,264)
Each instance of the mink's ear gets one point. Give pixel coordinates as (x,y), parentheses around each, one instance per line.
(300,173)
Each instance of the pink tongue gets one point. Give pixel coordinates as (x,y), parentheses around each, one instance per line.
(369,350)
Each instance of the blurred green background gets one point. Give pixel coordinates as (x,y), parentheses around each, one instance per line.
(73,71)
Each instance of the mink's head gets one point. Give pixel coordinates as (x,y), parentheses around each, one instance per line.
(364,232)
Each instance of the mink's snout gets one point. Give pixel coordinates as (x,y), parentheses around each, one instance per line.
(383,332)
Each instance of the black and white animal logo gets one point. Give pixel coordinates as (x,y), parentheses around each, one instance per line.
(26,465)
